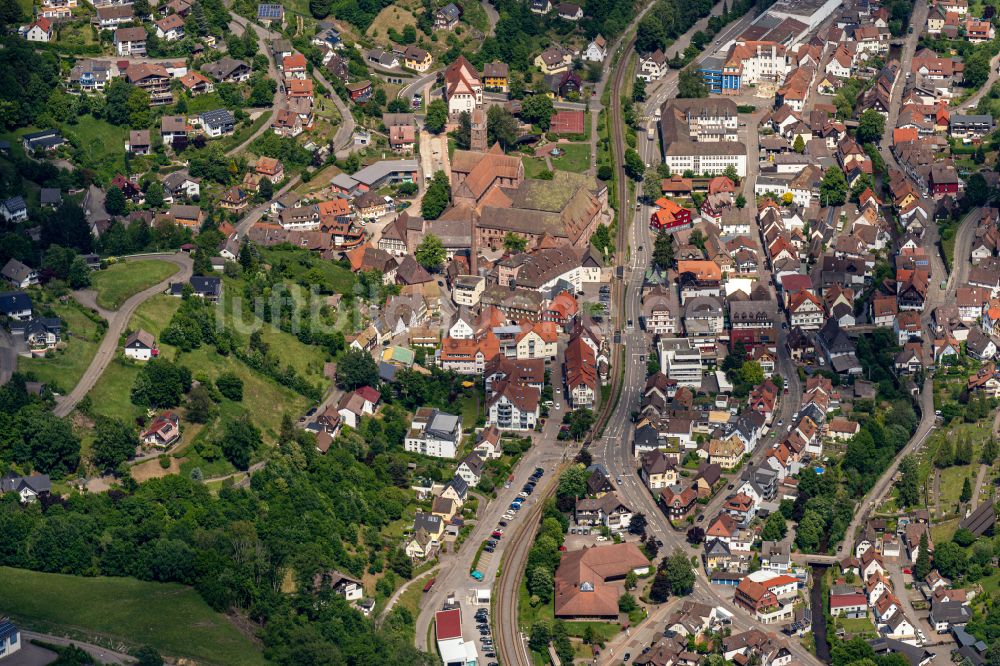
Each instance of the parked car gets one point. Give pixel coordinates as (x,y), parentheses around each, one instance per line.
(477,574)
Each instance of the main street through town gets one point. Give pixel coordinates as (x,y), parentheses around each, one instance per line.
(614,449)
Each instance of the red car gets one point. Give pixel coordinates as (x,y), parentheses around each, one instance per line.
(497,534)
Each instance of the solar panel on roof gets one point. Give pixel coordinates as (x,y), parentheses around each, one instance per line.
(269,11)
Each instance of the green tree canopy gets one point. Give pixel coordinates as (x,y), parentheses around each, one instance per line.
(430,253)
(355,369)
(115,441)
(239,442)
(538,110)
(870,126)
(437,197)
(437,116)
(690,84)
(514,243)
(833,188)
(663,250)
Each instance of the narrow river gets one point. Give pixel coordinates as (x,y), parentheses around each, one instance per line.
(818,614)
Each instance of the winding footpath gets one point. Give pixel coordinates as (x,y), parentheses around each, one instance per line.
(116,326)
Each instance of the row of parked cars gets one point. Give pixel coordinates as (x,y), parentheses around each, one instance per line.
(490,545)
(483,625)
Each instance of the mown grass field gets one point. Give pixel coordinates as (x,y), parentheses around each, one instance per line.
(117,612)
(118,282)
(533,166)
(155,314)
(857,625)
(62,371)
(576,157)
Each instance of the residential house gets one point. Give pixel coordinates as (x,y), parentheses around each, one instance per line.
(130,41)
(14,209)
(29,488)
(434,433)
(228,70)
(163,432)
(140,346)
(358,403)
(447,17)
(218,122)
(38,31)
(19,275)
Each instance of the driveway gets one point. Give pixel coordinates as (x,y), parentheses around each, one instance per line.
(116,326)
(35,654)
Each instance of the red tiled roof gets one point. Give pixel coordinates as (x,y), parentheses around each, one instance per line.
(448,624)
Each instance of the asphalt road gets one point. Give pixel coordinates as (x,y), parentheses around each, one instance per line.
(962,263)
(885,482)
(116,326)
(272,70)
(454,569)
(615,451)
(103,655)
(344,138)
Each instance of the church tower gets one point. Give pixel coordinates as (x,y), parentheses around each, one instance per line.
(478,136)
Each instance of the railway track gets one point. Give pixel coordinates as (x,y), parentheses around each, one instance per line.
(511,649)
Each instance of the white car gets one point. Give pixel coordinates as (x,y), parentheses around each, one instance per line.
(508,516)
(602,538)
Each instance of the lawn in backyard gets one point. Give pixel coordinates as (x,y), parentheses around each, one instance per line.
(99,145)
(533,167)
(76,34)
(857,625)
(471,408)
(943,530)
(244,133)
(111,394)
(63,370)
(118,282)
(207,102)
(575,157)
(172,618)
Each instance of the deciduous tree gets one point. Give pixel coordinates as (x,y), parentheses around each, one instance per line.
(437,116)
(355,369)
(437,197)
(239,442)
(430,253)
(538,110)
(114,442)
(870,126)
